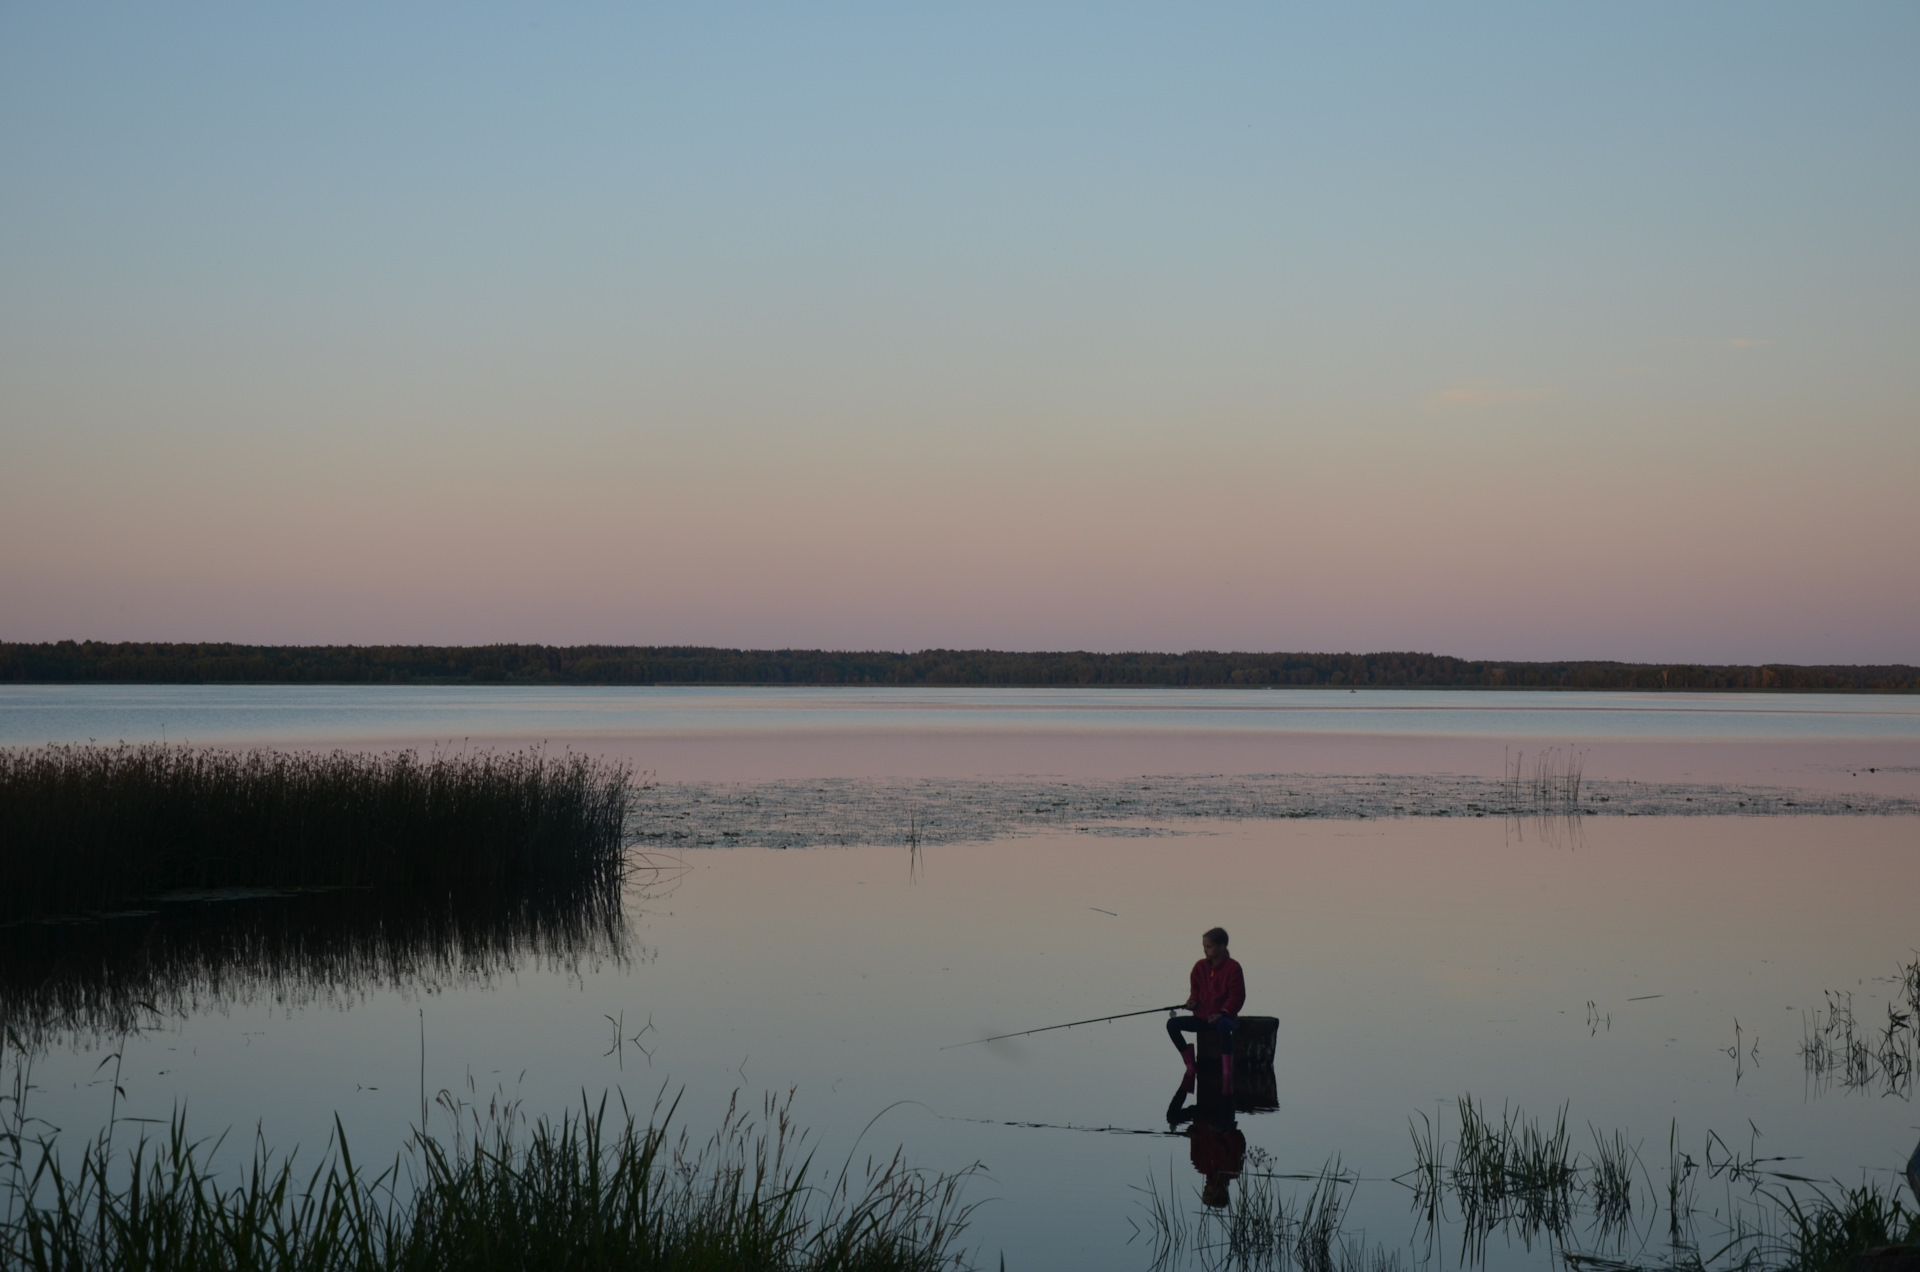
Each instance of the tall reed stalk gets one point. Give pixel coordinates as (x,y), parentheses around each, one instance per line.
(1553,783)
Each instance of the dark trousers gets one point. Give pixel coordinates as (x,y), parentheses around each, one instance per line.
(1194,1025)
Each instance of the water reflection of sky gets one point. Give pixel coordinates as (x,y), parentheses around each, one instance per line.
(1409,962)
(43,713)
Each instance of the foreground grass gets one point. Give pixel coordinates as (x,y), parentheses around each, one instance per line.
(1827,1231)
(589,1191)
(87,829)
(1517,1180)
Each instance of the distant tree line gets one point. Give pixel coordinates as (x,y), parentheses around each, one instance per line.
(91,662)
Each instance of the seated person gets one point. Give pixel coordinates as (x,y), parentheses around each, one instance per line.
(1218,990)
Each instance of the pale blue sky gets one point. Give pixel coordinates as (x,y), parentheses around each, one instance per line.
(1511,331)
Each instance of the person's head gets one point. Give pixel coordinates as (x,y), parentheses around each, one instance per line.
(1214,942)
(1213,1193)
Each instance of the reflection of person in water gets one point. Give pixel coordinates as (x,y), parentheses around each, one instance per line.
(1217,1147)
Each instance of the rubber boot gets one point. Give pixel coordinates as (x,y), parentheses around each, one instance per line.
(1226,1075)
(1186,1053)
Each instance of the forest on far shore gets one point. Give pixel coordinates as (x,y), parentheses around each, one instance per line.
(94,662)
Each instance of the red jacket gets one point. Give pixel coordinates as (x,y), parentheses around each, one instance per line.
(1217,991)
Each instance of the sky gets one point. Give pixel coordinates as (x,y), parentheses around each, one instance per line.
(1501,331)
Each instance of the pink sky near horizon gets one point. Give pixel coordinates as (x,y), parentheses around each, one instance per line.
(1454,545)
(1519,337)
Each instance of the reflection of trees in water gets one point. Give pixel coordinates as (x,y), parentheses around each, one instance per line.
(193,952)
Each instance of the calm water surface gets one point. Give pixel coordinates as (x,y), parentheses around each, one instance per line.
(749,734)
(1603,964)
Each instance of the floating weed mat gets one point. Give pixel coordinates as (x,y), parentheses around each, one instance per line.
(91,830)
(591,1190)
(918,813)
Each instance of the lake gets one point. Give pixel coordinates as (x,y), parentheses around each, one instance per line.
(837,886)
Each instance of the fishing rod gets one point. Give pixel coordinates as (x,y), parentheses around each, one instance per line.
(1097,1020)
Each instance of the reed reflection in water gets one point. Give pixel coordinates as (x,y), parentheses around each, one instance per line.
(191,952)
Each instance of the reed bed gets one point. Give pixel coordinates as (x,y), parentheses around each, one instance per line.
(590,1191)
(86,830)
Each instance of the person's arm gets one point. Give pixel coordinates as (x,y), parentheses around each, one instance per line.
(1236,990)
(1194,987)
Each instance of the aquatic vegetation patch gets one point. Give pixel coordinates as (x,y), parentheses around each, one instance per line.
(1522,1178)
(91,829)
(1511,1173)
(1552,801)
(1551,784)
(590,1190)
(1840,1049)
(1262,1228)
(1827,1231)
